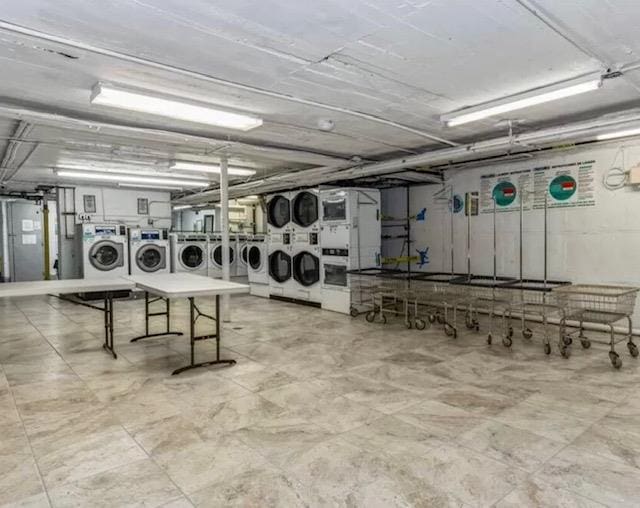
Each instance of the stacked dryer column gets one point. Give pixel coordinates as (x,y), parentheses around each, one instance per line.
(350,237)
(306,252)
(279,233)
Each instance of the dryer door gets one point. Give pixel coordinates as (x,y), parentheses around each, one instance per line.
(151,258)
(305,209)
(192,257)
(306,268)
(216,255)
(279,211)
(254,258)
(280,266)
(106,255)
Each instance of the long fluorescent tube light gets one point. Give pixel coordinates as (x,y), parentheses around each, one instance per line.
(210,168)
(149,186)
(142,102)
(618,134)
(106,177)
(181,207)
(130,171)
(519,102)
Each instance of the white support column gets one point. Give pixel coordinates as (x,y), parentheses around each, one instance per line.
(224,225)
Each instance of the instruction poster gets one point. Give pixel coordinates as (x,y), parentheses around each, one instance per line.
(563,186)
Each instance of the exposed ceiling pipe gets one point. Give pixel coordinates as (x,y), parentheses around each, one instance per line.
(13,28)
(21,131)
(325,175)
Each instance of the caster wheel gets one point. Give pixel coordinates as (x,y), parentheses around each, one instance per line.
(565,352)
(370,317)
(383,319)
(547,349)
(489,339)
(440,319)
(586,343)
(354,313)
(507,341)
(527,333)
(510,333)
(615,359)
(432,319)
(450,330)
(420,324)
(633,349)
(408,325)
(567,341)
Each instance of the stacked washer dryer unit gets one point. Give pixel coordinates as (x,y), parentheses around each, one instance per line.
(189,253)
(350,235)
(258,265)
(149,251)
(279,233)
(215,256)
(305,250)
(104,248)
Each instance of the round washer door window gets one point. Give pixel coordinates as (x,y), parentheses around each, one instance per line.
(216,255)
(106,255)
(280,266)
(306,269)
(305,209)
(279,211)
(244,253)
(255,258)
(151,258)
(192,257)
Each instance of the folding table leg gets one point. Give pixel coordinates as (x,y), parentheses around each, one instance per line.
(108,324)
(147,315)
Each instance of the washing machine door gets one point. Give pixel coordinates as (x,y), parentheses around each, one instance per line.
(280,266)
(279,211)
(305,209)
(244,254)
(151,258)
(192,257)
(106,255)
(216,255)
(306,268)
(254,258)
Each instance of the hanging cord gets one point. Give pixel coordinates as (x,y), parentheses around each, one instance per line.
(616,178)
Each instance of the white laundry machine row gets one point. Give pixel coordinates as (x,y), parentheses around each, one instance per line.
(189,253)
(149,251)
(104,250)
(350,236)
(215,256)
(258,265)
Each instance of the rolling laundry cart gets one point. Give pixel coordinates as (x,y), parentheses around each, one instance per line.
(601,304)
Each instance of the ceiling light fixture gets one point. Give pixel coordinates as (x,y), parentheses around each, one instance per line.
(521,101)
(618,134)
(107,177)
(149,186)
(210,168)
(129,171)
(180,109)
(181,207)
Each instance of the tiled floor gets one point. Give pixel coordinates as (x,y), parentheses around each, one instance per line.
(321,410)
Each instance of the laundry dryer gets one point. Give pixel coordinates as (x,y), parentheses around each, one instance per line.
(189,253)
(104,250)
(149,251)
(242,251)
(305,267)
(280,271)
(215,256)
(279,227)
(305,222)
(257,265)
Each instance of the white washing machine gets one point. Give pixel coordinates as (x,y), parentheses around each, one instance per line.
(257,266)
(279,226)
(189,252)
(242,252)
(149,251)
(104,248)
(305,267)
(215,256)
(305,220)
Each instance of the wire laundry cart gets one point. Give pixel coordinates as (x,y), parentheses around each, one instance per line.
(385,294)
(363,284)
(430,298)
(602,304)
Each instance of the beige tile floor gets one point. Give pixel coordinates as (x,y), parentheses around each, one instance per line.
(321,410)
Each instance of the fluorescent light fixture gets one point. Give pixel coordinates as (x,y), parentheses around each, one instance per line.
(129,171)
(619,134)
(210,168)
(521,101)
(109,177)
(149,186)
(181,207)
(171,107)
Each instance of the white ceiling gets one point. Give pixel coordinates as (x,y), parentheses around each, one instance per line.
(383,70)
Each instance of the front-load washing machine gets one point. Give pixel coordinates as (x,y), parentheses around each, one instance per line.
(305,221)
(257,266)
(215,256)
(280,271)
(149,251)
(189,252)
(305,266)
(242,251)
(104,250)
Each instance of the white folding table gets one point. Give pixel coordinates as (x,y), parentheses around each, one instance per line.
(72,286)
(185,285)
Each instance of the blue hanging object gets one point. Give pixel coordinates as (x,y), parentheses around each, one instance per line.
(424,257)
(422,215)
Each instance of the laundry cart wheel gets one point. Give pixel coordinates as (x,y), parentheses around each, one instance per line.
(507,341)
(527,333)
(565,352)
(440,319)
(420,324)
(450,330)
(586,343)
(547,349)
(567,340)
(408,324)
(633,349)
(354,312)
(489,339)
(432,318)
(371,316)
(510,333)
(615,359)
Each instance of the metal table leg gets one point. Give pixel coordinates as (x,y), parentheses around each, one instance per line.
(194,314)
(147,315)
(108,324)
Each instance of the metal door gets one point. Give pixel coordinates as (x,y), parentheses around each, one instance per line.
(26,250)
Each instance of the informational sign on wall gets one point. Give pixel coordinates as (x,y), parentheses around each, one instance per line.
(563,186)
